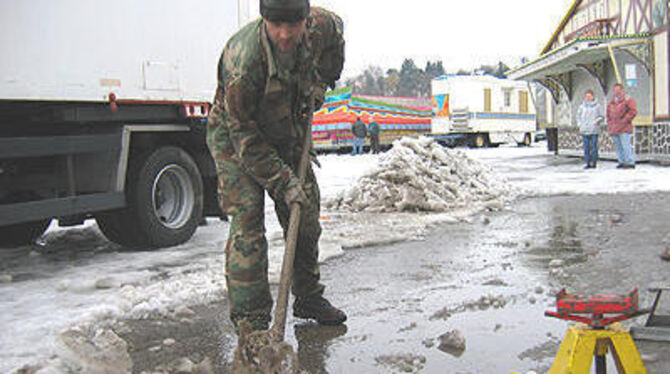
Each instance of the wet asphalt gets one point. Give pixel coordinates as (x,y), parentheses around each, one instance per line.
(490,279)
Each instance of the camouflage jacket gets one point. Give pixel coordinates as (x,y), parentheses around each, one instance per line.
(259,116)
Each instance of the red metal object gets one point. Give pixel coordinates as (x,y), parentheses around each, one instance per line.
(600,304)
(603,309)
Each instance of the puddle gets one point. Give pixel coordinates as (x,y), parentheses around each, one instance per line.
(491,282)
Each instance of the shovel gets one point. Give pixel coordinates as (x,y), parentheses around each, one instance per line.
(265,351)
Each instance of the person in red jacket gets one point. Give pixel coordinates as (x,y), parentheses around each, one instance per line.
(620,113)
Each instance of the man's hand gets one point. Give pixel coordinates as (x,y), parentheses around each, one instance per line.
(294,193)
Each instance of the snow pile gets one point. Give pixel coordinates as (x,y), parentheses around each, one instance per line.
(100,351)
(418,174)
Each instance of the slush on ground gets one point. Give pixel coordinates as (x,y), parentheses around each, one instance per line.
(443,258)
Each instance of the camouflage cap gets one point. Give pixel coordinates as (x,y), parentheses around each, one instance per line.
(284,10)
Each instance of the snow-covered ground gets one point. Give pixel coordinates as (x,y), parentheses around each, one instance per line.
(76,278)
(540,173)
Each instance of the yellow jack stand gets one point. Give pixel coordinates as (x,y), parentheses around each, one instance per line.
(582,344)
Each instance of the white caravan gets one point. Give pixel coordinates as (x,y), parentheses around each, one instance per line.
(481,110)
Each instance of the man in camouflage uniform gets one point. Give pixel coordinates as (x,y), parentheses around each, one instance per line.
(268,73)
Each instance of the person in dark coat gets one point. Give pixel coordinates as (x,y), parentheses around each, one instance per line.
(373,130)
(359,131)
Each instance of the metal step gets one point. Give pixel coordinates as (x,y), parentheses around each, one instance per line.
(655,334)
(460,120)
(657,327)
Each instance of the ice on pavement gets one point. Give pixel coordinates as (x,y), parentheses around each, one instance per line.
(540,173)
(76,279)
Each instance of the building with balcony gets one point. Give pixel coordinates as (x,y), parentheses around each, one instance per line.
(597,44)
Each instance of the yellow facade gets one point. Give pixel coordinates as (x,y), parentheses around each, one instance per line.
(662,106)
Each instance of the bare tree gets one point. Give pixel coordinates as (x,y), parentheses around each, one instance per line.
(410,80)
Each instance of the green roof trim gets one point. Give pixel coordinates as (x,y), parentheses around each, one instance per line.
(340,91)
(627,36)
(576,40)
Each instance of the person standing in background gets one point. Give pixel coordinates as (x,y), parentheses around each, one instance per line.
(589,117)
(373,130)
(620,113)
(359,131)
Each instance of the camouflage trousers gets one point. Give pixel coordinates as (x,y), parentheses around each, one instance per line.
(247,249)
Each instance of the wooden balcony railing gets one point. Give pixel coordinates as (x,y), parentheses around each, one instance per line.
(598,27)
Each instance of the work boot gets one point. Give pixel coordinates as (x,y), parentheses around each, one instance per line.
(318,308)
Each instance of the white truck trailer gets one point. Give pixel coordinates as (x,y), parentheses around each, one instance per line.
(481,111)
(103,108)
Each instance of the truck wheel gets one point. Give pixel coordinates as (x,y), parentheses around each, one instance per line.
(112,225)
(164,193)
(22,233)
(526,141)
(479,141)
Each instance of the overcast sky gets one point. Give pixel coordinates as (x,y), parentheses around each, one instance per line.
(462,34)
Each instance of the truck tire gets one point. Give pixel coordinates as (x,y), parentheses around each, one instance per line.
(526,141)
(479,141)
(22,233)
(164,193)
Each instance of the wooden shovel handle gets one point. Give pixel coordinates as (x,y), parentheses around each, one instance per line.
(286,277)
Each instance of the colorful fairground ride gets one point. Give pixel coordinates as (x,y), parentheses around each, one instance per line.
(396,116)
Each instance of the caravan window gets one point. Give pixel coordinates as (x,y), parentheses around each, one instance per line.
(508,97)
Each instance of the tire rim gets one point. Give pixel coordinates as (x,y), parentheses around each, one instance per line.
(173,196)
(479,141)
